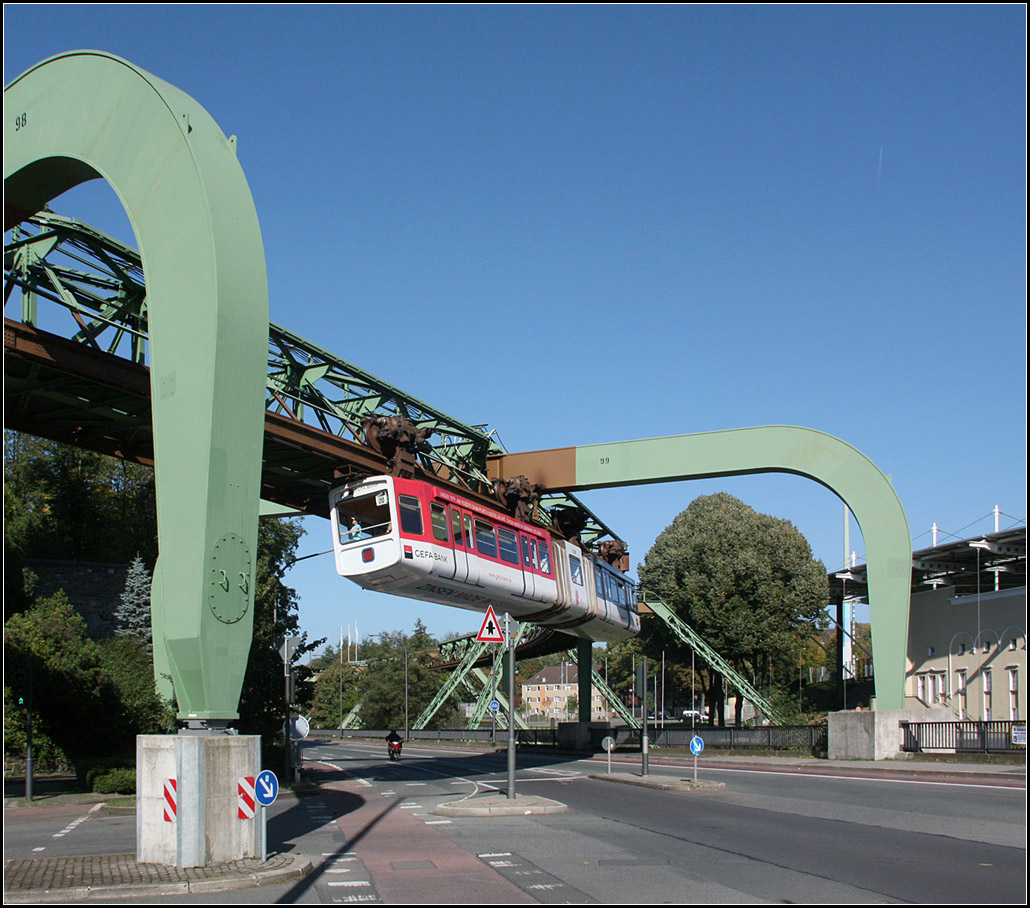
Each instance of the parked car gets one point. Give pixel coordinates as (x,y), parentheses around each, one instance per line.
(694,715)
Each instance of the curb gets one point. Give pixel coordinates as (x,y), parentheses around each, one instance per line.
(685,785)
(501,806)
(295,867)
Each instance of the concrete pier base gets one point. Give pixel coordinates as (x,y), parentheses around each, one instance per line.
(868,735)
(188,800)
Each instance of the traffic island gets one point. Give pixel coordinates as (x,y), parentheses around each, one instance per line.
(663,783)
(500,805)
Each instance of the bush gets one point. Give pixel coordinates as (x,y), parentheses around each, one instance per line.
(88,772)
(115,781)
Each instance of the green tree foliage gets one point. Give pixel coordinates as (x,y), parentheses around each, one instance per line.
(128,663)
(381,685)
(87,700)
(62,502)
(746,582)
(263,698)
(334,693)
(66,503)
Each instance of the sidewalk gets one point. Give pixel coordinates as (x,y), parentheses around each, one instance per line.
(390,841)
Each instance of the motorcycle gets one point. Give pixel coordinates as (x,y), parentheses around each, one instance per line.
(394,749)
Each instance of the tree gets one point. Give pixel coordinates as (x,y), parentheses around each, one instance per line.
(746,582)
(88,699)
(262,700)
(382,684)
(334,695)
(133,614)
(63,502)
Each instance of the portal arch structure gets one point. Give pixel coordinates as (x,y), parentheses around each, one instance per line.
(838,466)
(86,115)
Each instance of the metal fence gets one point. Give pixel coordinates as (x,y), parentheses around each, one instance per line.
(967,736)
(810,738)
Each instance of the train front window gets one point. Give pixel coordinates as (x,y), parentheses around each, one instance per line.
(363,518)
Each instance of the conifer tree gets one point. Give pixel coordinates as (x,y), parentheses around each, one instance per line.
(134,613)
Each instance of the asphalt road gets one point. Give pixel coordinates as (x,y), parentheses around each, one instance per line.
(807,834)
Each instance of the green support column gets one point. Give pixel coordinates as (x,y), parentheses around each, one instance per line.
(88,115)
(764,449)
(585,666)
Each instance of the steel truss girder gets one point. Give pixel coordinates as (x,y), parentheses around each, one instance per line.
(501,697)
(100,283)
(449,686)
(694,640)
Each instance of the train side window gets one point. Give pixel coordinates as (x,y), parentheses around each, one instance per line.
(509,545)
(599,587)
(411,514)
(456,525)
(528,553)
(486,539)
(544,555)
(470,541)
(438,516)
(576,570)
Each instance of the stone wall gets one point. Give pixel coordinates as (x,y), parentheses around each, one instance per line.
(93,588)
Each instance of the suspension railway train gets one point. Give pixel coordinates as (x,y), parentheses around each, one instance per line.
(409,538)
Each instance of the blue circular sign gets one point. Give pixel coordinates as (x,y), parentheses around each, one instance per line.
(494,705)
(266,787)
(696,745)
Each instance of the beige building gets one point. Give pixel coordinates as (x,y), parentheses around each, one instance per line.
(547,694)
(967,628)
(967,653)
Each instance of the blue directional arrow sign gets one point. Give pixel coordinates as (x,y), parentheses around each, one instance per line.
(696,745)
(266,787)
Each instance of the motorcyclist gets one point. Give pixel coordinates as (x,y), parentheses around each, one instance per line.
(393,740)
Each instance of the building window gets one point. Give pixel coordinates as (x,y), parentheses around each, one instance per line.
(960,683)
(987,696)
(1013,693)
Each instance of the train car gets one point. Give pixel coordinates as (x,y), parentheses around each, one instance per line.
(410,538)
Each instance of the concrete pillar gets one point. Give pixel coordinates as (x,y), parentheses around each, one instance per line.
(868,734)
(187,799)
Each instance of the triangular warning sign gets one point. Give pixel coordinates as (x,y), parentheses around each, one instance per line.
(491,631)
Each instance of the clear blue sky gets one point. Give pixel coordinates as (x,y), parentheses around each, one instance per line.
(660,219)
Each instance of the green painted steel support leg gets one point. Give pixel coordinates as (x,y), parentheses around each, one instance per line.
(87,115)
(456,678)
(585,666)
(765,449)
(609,695)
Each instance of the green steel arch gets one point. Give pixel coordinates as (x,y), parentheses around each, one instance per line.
(835,464)
(85,115)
